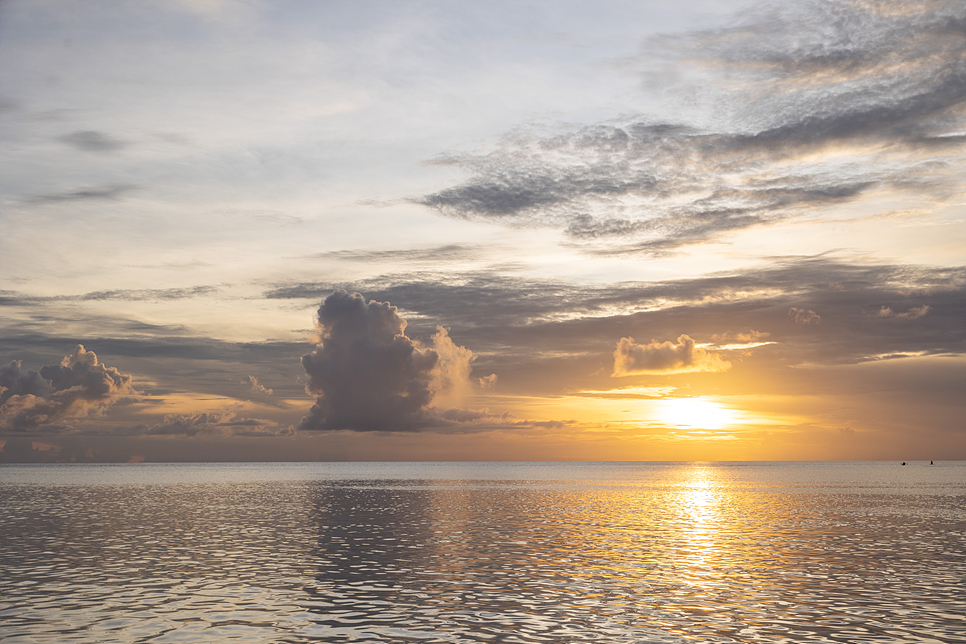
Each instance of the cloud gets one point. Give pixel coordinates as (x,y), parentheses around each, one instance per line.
(188,424)
(370,376)
(17,381)
(804,317)
(436,255)
(13,298)
(91,141)
(78,386)
(263,395)
(912,314)
(683,356)
(546,335)
(815,105)
(367,374)
(259,388)
(108,193)
(750,336)
(628,393)
(488,381)
(217,424)
(516,323)
(451,376)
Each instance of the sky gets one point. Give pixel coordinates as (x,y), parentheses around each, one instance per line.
(351,231)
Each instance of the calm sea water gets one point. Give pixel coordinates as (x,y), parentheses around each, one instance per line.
(469,552)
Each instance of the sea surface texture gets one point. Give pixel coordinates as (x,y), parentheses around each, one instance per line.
(471,552)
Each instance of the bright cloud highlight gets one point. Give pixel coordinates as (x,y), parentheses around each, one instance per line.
(681,356)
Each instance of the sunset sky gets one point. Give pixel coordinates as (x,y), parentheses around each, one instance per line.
(482,231)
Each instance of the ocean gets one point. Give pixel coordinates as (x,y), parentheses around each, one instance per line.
(483,552)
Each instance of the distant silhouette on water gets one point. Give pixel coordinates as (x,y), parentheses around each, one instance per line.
(903,462)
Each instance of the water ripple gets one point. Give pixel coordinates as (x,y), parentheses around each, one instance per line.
(682,553)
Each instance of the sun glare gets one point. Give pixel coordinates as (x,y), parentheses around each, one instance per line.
(696,413)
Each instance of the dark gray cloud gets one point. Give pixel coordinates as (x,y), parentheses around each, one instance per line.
(14,298)
(92,141)
(149,294)
(885,83)
(370,376)
(217,424)
(78,386)
(17,381)
(517,324)
(103,193)
(367,374)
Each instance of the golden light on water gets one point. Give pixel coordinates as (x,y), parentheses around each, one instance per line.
(700,503)
(696,413)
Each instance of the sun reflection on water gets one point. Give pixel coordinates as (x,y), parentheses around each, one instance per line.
(700,501)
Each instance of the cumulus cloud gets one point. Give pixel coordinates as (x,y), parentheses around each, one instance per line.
(682,356)
(370,376)
(78,386)
(17,381)
(450,382)
(815,104)
(804,316)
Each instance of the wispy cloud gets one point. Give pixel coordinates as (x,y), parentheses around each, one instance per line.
(108,193)
(438,254)
(14,298)
(816,105)
(93,141)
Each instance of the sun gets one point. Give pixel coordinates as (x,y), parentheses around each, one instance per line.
(695,413)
